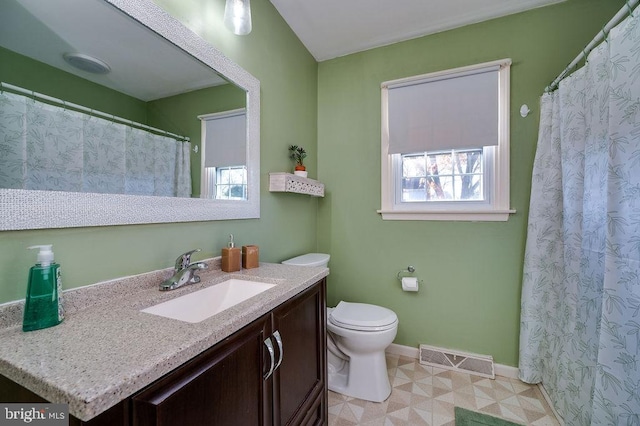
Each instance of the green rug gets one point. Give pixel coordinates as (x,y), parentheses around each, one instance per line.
(471,418)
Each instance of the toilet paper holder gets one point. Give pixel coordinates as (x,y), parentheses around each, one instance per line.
(410,270)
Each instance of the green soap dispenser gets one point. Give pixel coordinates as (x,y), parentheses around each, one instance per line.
(43,304)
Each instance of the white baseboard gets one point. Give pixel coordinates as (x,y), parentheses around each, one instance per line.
(506,371)
(409,352)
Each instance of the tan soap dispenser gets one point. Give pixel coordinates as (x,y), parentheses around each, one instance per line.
(231,257)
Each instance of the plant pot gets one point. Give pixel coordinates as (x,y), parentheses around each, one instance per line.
(300,170)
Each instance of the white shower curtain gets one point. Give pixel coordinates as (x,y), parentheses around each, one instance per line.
(580,320)
(47,147)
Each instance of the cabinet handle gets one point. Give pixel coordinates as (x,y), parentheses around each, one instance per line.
(269,345)
(279,341)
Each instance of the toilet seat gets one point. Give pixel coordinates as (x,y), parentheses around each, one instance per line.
(362,317)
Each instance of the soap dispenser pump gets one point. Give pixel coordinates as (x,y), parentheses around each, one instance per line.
(43,304)
(231,257)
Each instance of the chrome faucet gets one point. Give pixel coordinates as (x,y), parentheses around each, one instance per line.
(184,272)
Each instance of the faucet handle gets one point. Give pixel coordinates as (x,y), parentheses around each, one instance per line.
(185,259)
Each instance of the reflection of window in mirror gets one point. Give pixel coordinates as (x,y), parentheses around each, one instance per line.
(224,155)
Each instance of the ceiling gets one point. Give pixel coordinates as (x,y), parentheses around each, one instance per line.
(143,65)
(332,28)
(147,67)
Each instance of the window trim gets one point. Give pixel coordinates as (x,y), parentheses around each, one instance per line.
(497,210)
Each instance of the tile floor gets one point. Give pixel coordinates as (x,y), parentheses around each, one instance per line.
(424,395)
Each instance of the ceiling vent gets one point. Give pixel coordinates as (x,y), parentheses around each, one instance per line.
(87,63)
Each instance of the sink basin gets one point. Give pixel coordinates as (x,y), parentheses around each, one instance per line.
(202,304)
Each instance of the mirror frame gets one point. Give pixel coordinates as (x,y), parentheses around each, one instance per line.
(28,209)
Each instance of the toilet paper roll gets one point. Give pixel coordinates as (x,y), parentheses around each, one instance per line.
(409,284)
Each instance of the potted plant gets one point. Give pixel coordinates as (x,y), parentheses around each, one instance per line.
(298,154)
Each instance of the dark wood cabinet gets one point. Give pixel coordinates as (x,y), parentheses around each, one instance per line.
(271,372)
(300,381)
(219,387)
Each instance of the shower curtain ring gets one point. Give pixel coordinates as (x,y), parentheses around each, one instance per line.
(629,7)
(605,33)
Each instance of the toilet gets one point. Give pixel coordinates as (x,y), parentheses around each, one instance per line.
(357,336)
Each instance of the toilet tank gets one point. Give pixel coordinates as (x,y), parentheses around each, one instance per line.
(309,259)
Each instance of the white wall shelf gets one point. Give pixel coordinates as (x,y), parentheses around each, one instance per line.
(287,182)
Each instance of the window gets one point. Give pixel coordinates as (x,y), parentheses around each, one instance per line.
(224,155)
(452,175)
(225,183)
(445,145)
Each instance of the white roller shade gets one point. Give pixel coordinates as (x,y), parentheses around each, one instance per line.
(225,140)
(450,111)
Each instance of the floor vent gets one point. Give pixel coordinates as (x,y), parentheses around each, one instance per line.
(481,365)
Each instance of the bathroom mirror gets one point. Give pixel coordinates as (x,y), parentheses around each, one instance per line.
(34,209)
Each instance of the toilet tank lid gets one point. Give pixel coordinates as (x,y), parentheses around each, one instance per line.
(309,259)
(363,314)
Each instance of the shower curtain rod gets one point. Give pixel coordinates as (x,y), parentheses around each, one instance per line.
(626,10)
(111,117)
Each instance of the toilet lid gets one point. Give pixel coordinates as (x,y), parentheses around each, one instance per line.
(362,316)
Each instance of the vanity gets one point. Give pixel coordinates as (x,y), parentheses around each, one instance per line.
(259,362)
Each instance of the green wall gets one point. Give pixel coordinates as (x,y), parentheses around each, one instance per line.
(287,227)
(27,73)
(470,295)
(179,114)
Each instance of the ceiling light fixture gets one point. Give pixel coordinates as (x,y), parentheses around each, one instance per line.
(237,16)
(87,63)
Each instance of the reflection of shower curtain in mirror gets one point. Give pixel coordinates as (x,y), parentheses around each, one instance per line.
(46,147)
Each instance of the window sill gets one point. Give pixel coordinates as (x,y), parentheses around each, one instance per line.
(448,215)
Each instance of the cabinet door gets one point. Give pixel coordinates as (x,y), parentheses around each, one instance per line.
(300,381)
(222,386)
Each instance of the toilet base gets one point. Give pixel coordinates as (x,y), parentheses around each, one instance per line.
(366,378)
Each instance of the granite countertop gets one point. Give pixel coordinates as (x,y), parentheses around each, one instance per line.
(106,349)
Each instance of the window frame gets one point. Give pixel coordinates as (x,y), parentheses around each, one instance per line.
(210,182)
(495,164)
